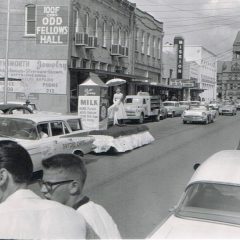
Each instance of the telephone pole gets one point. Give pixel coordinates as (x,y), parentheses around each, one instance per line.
(6,58)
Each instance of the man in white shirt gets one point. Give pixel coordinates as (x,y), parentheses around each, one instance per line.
(24,215)
(70,169)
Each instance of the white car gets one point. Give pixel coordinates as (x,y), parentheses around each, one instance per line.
(173,108)
(228,110)
(210,205)
(46,135)
(199,114)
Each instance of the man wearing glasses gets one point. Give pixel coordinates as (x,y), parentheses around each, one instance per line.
(64,177)
(24,215)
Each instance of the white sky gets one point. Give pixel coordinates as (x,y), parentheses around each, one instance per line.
(211,23)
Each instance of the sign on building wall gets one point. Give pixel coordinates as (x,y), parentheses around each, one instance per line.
(52,25)
(180,55)
(35,76)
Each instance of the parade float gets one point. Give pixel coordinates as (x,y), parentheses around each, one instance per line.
(93,109)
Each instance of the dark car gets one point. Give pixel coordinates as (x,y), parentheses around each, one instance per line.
(14,109)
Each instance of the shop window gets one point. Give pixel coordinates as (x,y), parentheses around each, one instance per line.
(30,20)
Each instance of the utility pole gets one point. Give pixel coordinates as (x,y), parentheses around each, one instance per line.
(6,58)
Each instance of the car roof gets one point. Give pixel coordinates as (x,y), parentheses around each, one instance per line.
(222,167)
(41,117)
(10,105)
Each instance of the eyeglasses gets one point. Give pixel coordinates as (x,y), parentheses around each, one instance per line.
(49,185)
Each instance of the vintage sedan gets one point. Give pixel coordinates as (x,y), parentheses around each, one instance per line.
(210,205)
(228,109)
(11,108)
(46,135)
(173,108)
(200,114)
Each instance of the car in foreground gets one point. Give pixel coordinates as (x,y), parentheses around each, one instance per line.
(201,114)
(173,108)
(46,135)
(210,205)
(228,110)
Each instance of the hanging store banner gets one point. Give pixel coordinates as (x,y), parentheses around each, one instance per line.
(35,76)
(52,25)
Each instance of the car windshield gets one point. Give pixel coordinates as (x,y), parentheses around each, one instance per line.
(18,128)
(211,201)
(198,108)
(133,100)
(168,104)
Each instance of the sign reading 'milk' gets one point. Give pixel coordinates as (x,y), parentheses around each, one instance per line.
(52,25)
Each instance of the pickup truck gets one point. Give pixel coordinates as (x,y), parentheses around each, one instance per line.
(142,106)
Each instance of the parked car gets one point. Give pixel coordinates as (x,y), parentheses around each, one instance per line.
(228,110)
(199,114)
(163,111)
(214,105)
(185,104)
(46,135)
(237,105)
(14,109)
(210,205)
(173,108)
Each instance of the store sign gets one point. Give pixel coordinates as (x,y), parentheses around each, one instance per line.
(52,25)
(180,55)
(35,76)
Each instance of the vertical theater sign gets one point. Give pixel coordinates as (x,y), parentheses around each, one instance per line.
(179,41)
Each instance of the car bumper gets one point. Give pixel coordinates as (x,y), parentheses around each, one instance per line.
(194,118)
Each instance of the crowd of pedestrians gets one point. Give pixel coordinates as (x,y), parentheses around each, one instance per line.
(65,213)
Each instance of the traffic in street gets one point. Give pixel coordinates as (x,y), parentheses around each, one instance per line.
(139,187)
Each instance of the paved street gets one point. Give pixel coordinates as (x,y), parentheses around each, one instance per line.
(139,187)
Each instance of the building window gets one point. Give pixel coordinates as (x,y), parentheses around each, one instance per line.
(125,39)
(86,23)
(159,49)
(30,20)
(119,36)
(142,42)
(112,35)
(148,44)
(95,32)
(154,47)
(76,20)
(136,39)
(104,40)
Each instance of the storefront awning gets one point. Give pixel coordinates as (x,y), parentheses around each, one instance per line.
(109,75)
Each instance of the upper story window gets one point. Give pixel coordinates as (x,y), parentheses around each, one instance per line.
(119,36)
(86,23)
(104,38)
(76,20)
(148,44)
(95,31)
(154,47)
(136,39)
(112,34)
(159,49)
(125,39)
(142,42)
(30,20)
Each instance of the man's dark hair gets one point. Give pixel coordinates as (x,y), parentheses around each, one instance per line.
(16,160)
(69,162)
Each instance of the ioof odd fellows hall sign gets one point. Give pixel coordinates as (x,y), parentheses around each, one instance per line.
(52,25)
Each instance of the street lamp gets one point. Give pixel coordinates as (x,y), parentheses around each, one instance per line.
(6,58)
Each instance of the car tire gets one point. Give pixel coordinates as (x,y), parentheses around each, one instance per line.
(158,118)
(173,115)
(184,122)
(206,122)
